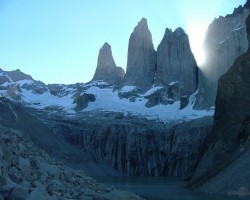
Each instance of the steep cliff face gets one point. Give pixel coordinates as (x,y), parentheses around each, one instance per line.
(176,62)
(136,146)
(141,57)
(225,40)
(230,138)
(106,69)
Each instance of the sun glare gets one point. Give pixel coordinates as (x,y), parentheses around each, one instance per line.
(196,37)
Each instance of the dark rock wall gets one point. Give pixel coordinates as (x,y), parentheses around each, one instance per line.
(106,69)
(141,62)
(231,121)
(176,62)
(225,40)
(138,147)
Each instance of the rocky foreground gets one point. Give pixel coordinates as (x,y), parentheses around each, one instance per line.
(26,172)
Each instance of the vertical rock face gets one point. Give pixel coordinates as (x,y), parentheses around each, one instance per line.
(231,130)
(225,40)
(141,57)
(176,62)
(138,147)
(106,68)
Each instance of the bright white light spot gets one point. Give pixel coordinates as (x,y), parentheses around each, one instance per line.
(196,37)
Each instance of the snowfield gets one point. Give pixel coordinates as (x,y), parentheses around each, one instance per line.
(107,100)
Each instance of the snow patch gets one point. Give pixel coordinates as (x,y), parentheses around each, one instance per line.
(152,90)
(107,100)
(126,89)
(173,83)
(97,83)
(10,79)
(237,29)
(23,82)
(46,99)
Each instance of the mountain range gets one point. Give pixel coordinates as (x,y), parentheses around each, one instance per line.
(164,117)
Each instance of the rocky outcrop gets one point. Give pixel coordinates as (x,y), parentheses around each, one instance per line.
(230,138)
(137,146)
(82,101)
(26,172)
(176,62)
(141,62)
(173,66)
(17,75)
(106,69)
(225,40)
(13,93)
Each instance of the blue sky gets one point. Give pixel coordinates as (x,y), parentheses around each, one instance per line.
(57,41)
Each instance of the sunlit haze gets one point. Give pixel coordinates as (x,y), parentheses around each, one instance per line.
(58,41)
(196,34)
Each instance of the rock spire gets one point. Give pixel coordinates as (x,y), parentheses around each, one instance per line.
(176,62)
(141,57)
(106,69)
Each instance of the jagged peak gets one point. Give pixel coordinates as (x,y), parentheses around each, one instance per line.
(237,11)
(143,22)
(106,46)
(247,4)
(17,75)
(105,57)
(168,30)
(179,30)
(142,25)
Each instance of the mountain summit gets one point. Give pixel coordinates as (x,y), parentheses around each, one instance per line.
(141,57)
(106,69)
(176,62)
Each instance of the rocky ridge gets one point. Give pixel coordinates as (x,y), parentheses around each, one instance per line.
(26,172)
(226,156)
(79,97)
(222,46)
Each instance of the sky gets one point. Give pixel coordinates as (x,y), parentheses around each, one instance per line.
(57,41)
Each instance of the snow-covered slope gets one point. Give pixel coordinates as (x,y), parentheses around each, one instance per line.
(108,100)
(58,97)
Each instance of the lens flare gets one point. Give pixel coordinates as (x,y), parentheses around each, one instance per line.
(196,34)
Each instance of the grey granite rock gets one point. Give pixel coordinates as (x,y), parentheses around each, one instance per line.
(225,40)
(176,62)
(229,142)
(19,193)
(137,146)
(141,62)
(106,69)
(17,75)
(82,101)
(157,97)
(183,102)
